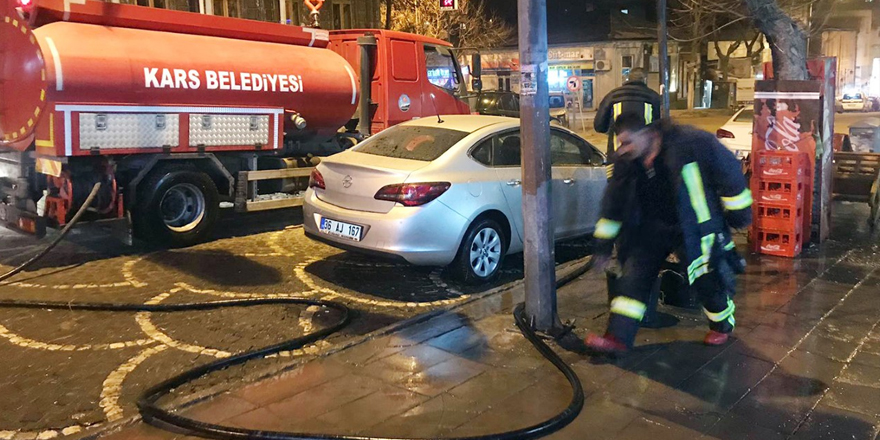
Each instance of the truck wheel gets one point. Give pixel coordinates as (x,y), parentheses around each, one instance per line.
(177,206)
(481,253)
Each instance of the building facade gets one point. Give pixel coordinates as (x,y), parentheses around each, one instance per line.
(335,14)
(852,34)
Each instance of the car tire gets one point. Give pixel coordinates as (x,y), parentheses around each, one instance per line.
(177,206)
(481,253)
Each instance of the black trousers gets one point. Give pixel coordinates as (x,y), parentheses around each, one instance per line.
(641,260)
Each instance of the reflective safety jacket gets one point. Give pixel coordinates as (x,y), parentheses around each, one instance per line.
(711,197)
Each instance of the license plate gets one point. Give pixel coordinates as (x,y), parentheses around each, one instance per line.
(341,229)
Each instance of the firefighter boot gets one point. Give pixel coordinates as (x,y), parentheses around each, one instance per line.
(605,344)
(716,338)
(621,333)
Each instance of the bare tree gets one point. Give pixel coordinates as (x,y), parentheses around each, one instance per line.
(787,38)
(786,24)
(474,24)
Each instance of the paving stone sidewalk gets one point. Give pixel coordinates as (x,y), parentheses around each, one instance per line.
(804,364)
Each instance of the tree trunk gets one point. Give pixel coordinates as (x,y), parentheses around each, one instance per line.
(696,50)
(788,41)
(388,14)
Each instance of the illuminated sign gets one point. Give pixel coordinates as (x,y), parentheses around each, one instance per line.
(448,5)
(440,76)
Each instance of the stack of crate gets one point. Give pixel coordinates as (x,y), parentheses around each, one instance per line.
(782,192)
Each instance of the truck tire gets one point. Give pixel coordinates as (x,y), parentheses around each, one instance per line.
(177,206)
(481,253)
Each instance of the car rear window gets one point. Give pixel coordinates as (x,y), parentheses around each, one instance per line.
(412,142)
(745,116)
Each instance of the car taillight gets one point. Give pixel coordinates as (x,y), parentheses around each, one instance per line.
(412,194)
(316,180)
(724,134)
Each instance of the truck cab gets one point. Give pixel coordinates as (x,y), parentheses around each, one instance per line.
(411,75)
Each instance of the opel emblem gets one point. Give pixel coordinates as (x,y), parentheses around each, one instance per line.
(346,181)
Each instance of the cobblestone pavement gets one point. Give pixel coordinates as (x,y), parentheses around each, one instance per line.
(804,363)
(72,372)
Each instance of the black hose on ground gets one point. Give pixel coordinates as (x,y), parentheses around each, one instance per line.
(154,414)
(57,239)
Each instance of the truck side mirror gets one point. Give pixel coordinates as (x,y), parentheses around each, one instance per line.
(477,84)
(476,72)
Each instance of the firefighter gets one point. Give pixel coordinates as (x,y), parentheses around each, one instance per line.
(634,96)
(674,189)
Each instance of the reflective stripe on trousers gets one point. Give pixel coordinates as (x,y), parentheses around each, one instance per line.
(700,266)
(724,315)
(607,229)
(628,307)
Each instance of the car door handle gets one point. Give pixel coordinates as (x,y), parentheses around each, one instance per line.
(568,181)
(514,182)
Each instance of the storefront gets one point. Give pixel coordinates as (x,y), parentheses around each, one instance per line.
(600,67)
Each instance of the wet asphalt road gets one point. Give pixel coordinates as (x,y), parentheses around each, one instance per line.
(68,371)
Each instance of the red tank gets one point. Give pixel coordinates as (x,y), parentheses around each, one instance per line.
(81,73)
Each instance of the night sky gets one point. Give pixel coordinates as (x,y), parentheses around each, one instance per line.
(576,20)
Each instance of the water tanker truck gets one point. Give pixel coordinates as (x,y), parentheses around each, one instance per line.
(176,113)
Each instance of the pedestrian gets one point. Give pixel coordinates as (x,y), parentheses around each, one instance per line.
(634,96)
(674,189)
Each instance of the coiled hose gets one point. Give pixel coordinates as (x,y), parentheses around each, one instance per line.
(155,415)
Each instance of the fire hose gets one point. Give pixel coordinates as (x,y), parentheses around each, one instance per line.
(154,414)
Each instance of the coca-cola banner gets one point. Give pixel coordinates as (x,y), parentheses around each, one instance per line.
(787,115)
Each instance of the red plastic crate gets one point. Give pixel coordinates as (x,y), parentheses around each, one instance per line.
(780,164)
(768,190)
(778,243)
(779,216)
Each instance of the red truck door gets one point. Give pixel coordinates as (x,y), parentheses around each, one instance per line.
(405,66)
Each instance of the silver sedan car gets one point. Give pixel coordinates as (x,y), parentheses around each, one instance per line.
(448,193)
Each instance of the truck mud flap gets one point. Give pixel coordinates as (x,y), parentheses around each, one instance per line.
(22,221)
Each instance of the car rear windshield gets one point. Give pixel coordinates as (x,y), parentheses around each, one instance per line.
(412,142)
(852,96)
(745,116)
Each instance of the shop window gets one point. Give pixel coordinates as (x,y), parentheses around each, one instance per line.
(293,12)
(262,10)
(342,15)
(626,61)
(177,5)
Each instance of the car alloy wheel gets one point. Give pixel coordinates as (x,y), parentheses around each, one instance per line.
(485,252)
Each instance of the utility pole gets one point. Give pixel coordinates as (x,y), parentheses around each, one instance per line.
(540,267)
(388,5)
(663,38)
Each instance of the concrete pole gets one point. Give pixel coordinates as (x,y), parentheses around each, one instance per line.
(540,267)
(663,37)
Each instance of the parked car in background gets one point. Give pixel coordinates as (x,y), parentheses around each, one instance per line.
(503,103)
(448,191)
(736,133)
(854,102)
